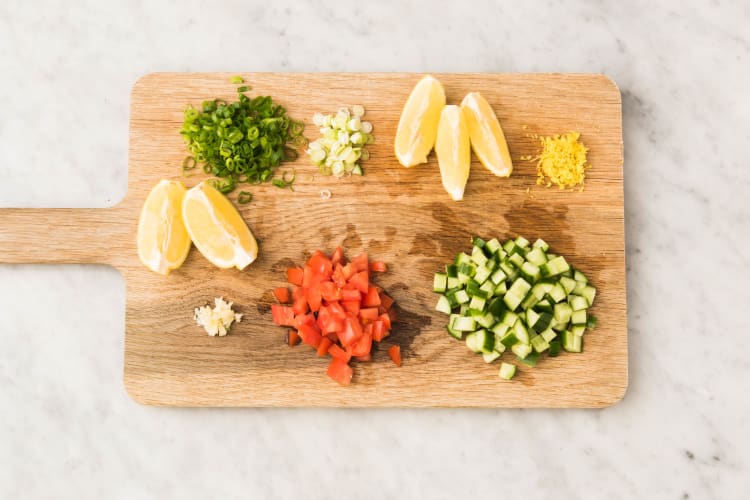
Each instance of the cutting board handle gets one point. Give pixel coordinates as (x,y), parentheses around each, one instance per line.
(61,235)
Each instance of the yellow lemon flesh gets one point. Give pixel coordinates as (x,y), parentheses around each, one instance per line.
(217,228)
(453,151)
(487,138)
(163,242)
(417,127)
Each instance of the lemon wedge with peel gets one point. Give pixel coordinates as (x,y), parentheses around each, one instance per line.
(453,151)
(487,138)
(217,228)
(163,242)
(417,127)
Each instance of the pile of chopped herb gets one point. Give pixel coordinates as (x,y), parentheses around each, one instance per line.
(240,142)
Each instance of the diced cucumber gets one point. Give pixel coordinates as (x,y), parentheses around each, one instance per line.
(509,318)
(500,289)
(510,271)
(522,333)
(517,260)
(443,305)
(478,256)
(531,359)
(440,283)
(529,302)
(464,309)
(578,303)
(462,297)
(540,243)
(467,268)
(482,274)
(539,344)
(530,272)
(453,282)
(541,322)
(591,322)
(451,270)
(507,371)
(462,258)
(516,293)
(486,320)
(558,293)
(463,278)
(572,342)
(531,317)
(509,247)
(578,318)
(569,284)
(509,339)
(544,306)
(521,350)
(554,348)
(589,292)
(522,242)
(549,335)
(555,266)
(500,329)
(536,256)
(492,246)
(472,288)
(478,303)
(498,276)
(578,330)
(580,277)
(474,313)
(464,324)
(488,288)
(489,357)
(478,242)
(562,313)
(474,342)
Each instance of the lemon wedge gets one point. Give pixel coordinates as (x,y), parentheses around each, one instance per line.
(417,127)
(487,138)
(453,151)
(163,242)
(217,228)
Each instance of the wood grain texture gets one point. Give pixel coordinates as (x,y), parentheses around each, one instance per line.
(398,215)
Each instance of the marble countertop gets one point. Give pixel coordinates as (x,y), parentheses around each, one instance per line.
(68,429)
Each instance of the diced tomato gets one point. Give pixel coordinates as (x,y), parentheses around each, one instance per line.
(340,371)
(386,300)
(282,315)
(338,275)
(378,331)
(386,319)
(304,319)
(351,306)
(337,310)
(365,358)
(338,256)
(362,346)
(395,353)
(327,322)
(309,277)
(368,313)
(360,281)
(360,262)
(314,298)
(372,299)
(351,332)
(310,335)
(330,291)
(299,306)
(378,266)
(325,343)
(334,338)
(320,264)
(293,338)
(294,275)
(349,270)
(347,294)
(337,352)
(282,294)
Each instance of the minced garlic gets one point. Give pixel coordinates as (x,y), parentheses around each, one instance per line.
(562,161)
(216,321)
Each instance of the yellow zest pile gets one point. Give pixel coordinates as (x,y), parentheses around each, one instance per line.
(562,161)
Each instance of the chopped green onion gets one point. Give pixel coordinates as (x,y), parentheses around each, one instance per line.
(243,88)
(244,197)
(236,80)
(341,148)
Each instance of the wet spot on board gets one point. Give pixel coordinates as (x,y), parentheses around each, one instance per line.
(352,240)
(382,246)
(452,235)
(326,236)
(282,265)
(424,244)
(407,328)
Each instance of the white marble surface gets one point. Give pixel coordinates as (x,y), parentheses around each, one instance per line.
(67,428)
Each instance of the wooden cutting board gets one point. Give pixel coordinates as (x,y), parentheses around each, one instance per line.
(401,216)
